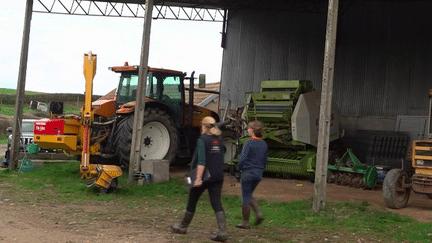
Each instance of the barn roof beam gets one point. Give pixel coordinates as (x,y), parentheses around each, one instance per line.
(165,10)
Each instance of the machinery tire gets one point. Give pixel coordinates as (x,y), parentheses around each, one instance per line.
(113,186)
(154,120)
(311,177)
(394,195)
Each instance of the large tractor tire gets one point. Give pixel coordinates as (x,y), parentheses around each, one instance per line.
(160,137)
(395,196)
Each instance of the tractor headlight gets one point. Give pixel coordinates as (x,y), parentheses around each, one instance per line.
(420,162)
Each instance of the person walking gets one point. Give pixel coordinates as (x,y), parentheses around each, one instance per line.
(252,162)
(208,157)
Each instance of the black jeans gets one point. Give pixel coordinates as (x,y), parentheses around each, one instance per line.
(215,190)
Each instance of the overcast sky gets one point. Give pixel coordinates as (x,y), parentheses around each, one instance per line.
(58,43)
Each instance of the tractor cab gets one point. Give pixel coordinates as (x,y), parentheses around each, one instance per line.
(162,85)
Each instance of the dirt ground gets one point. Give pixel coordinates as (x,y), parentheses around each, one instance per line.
(20,222)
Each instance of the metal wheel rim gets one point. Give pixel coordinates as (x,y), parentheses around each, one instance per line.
(159,141)
(231,150)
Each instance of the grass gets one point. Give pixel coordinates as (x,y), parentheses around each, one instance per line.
(61,183)
(71,109)
(3,139)
(9,110)
(13,91)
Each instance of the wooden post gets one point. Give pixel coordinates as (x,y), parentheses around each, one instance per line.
(135,156)
(325,107)
(16,133)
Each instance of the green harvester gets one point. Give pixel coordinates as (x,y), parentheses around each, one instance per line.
(289,110)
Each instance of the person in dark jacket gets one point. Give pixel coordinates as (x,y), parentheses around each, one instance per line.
(252,162)
(208,156)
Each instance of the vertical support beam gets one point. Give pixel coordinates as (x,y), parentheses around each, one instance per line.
(135,156)
(429,126)
(325,107)
(16,133)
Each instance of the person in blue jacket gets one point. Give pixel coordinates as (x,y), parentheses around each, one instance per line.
(252,162)
(209,156)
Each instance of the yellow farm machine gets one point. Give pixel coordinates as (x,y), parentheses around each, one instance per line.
(399,183)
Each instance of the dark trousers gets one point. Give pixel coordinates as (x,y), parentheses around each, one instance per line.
(215,190)
(249,181)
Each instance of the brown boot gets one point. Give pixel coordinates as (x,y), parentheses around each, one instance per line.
(181,228)
(246,214)
(222,235)
(258,214)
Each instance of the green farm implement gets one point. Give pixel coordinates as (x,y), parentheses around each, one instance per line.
(349,171)
(289,110)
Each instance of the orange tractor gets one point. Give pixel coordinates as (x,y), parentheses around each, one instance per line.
(102,133)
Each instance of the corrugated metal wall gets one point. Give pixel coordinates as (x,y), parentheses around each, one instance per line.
(383,59)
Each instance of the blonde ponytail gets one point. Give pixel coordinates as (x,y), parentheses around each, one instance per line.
(210,126)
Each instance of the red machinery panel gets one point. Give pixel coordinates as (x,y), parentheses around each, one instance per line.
(49,127)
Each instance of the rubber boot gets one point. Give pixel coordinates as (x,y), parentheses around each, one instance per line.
(222,235)
(181,228)
(246,214)
(258,214)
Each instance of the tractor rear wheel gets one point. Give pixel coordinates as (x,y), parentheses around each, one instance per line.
(160,137)
(394,194)
(230,149)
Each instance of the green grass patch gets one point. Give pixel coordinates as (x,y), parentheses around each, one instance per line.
(9,110)
(71,109)
(61,183)
(3,139)
(13,91)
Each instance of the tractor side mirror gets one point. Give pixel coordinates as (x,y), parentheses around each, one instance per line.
(9,129)
(202,79)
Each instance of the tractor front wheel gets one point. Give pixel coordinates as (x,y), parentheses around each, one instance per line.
(394,193)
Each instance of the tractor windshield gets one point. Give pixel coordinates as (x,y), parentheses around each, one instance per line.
(128,88)
(164,87)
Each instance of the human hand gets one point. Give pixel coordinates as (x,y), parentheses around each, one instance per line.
(198,183)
